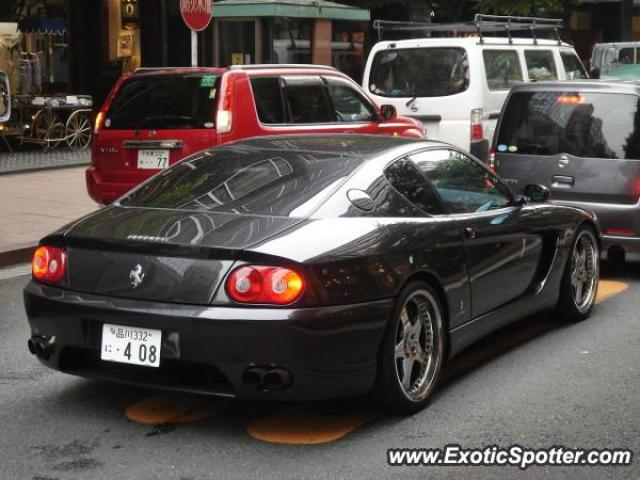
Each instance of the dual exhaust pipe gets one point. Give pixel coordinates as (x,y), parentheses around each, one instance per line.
(42,346)
(267,379)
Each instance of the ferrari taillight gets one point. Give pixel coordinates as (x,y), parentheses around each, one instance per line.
(49,264)
(260,284)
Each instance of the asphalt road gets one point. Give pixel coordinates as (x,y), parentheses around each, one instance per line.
(537,383)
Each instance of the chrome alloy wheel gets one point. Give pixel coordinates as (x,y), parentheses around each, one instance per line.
(584,271)
(416,356)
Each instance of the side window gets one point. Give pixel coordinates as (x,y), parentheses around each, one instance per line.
(540,65)
(626,55)
(306,101)
(411,184)
(502,68)
(572,66)
(462,184)
(348,103)
(268,98)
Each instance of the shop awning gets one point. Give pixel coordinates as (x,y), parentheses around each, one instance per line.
(289,8)
(53,26)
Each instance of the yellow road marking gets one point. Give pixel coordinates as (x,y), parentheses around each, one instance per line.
(610,288)
(299,426)
(171,408)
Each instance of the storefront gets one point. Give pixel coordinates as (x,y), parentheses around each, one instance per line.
(289,31)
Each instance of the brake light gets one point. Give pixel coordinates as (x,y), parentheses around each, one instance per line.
(98,124)
(223,117)
(264,285)
(570,99)
(49,264)
(477,131)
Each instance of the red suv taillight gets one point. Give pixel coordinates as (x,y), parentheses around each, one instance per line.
(49,264)
(477,131)
(224,120)
(264,285)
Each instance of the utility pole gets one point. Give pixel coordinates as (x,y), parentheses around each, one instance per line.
(626,20)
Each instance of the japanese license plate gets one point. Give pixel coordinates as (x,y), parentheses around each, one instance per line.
(135,345)
(153,159)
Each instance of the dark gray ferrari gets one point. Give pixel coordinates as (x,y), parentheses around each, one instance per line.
(305,267)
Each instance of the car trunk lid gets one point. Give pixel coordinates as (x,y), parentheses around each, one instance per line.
(149,254)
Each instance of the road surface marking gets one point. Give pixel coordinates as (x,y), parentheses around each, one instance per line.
(610,288)
(300,426)
(171,408)
(15,271)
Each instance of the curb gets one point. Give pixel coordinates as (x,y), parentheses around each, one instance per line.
(40,169)
(17,255)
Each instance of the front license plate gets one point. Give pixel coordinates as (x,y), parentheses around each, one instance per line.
(138,346)
(153,159)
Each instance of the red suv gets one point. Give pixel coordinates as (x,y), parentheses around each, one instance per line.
(155,117)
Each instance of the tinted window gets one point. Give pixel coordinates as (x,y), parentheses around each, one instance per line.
(572,66)
(601,125)
(268,98)
(348,103)
(405,177)
(246,180)
(627,55)
(306,101)
(164,102)
(421,72)
(540,65)
(502,68)
(463,185)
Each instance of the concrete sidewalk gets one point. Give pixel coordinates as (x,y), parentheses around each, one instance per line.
(37,203)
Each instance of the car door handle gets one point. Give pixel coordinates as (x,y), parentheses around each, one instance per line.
(469,233)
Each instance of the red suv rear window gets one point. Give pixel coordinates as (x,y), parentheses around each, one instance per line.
(163,102)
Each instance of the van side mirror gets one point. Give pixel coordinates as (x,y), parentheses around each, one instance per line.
(5,98)
(389,112)
(536,193)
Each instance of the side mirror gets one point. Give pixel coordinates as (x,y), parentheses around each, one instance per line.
(389,112)
(5,98)
(536,193)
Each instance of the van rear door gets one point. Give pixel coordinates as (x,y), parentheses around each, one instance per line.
(583,145)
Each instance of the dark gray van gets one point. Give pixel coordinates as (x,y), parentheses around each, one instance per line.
(580,139)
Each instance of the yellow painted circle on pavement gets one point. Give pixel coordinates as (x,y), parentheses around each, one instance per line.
(171,408)
(610,288)
(300,426)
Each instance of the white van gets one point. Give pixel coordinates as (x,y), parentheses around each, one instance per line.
(456,86)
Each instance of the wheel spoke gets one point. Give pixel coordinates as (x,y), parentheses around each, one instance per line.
(407,367)
(400,352)
(579,289)
(422,357)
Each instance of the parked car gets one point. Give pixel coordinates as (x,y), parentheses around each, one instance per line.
(156,117)
(582,141)
(305,267)
(613,60)
(457,86)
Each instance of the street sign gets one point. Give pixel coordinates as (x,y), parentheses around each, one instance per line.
(196,13)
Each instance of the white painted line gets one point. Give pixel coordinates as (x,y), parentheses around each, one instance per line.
(15,271)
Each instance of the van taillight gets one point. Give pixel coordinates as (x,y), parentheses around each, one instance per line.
(49,264)
(224,117)
(477,132)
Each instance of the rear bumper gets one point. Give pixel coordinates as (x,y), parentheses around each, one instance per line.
(614,216)
(329,351)
(104,189)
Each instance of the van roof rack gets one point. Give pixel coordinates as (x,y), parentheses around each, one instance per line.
(282,65)
(480,25)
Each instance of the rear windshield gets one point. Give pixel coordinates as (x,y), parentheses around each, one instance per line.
(164,102)
(595,125)
(247,181)
(419,72)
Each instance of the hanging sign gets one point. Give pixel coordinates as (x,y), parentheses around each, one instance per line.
(196,13)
